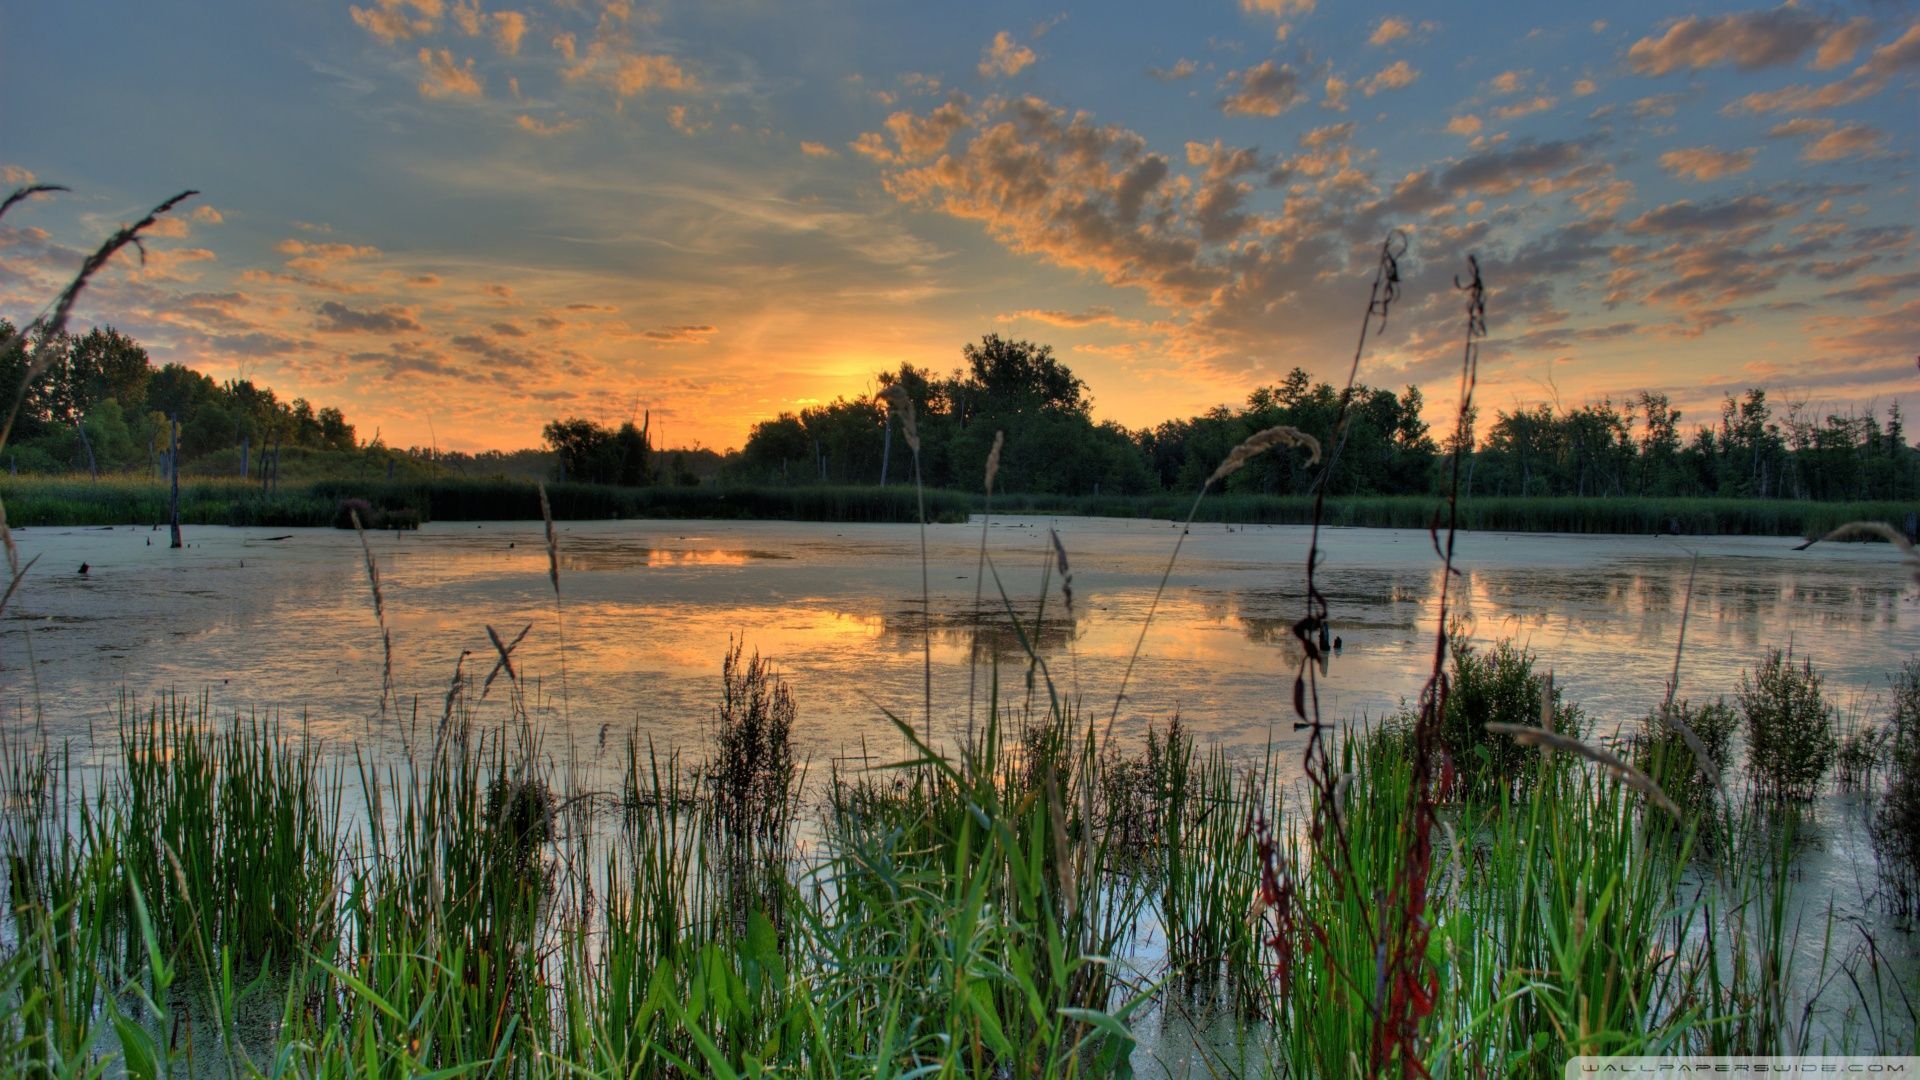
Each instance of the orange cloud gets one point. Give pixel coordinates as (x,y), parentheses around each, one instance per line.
(1748,40)
(444,78)
(1267,89)
(1391,29)
(390,20)
(1705,163)
(1395,76)
(1005,57)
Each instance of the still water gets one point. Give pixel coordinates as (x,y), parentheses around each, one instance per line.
(263,621)
(267,622)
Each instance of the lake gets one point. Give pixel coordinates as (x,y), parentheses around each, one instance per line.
(264,621)
(269,622)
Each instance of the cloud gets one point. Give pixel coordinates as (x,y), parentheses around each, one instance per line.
(1278,8)
(1507,82)
(1498,171)
(337,318)
(1805,99)
(1336,98)
(1467,124)
(1584,87)
(1877,287)
(391,21)
(608,62)
(1723,215)
(638,74)
(1072,319)
(509,27)
(915,137)
(1267,89)
(1705,163)
(1895,56)
(319,258)
(1395,76)
(689,334)
(1748,40)
(1526,108)
(1833,142)
(1005,57)
(533,125)
(1887,334)
(444,78)
(1391,29)
(1181,69)
(814,149)
(1655,105)
(1840,45)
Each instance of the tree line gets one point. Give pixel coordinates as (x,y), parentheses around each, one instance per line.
(1639,447)
(101,406)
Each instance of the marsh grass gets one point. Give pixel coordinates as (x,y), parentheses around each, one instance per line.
(460,908)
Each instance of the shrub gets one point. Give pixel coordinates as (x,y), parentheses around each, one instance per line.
(755,778)
(1862,750)
(1790,727)
(1896,824)
(1660,751)
(1498,685)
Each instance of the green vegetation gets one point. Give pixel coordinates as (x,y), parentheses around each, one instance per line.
(965,912)
(1790,726)
(46,501)
(1896,822)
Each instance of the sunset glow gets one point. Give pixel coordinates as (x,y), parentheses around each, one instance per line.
(458,220)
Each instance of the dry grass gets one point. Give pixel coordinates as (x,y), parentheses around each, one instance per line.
(379,614)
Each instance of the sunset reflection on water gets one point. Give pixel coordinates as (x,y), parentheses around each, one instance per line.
(649,607)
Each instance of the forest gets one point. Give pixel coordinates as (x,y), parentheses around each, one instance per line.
(104,408)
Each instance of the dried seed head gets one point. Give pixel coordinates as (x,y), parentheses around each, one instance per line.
(553,541)
(993,458)
(1066,572)
(1280,435)
(1541,738)
(901,405)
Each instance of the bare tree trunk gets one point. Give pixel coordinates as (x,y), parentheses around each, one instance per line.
(246,450)
(93,467)
(173,463)
(886,451)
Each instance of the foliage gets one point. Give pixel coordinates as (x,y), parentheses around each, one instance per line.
(587,453)
(1896,823)
(1790,726)
(105,382)
(1497,685)
(1663,753)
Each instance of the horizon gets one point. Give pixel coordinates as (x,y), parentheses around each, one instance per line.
(457,223)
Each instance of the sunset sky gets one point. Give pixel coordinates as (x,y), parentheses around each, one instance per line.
(457,220)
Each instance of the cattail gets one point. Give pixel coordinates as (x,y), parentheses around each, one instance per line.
(379,612)
(553,541)
(1066,572)
(1280,435)
(901,405)
(993,458)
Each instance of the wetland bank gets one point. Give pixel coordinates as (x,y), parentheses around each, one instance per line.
(664,868)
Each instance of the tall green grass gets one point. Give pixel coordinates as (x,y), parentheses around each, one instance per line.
(971,912)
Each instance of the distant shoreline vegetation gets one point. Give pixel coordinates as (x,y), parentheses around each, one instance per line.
(102,410)
(58,501)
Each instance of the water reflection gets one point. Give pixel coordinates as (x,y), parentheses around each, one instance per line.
(648,608)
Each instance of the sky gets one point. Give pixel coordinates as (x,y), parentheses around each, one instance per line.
(459,219)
